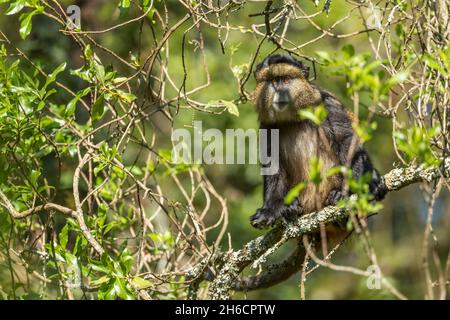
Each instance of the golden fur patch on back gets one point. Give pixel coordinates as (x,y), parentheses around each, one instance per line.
(279,70)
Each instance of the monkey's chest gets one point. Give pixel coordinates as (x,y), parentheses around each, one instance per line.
(303,148)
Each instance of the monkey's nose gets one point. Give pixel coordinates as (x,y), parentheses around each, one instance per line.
(280,100)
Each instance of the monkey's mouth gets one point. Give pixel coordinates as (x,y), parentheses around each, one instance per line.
(280,106)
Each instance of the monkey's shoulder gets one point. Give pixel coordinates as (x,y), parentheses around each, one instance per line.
(337,113)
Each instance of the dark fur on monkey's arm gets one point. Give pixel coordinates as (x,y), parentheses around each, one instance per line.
(338,127)
(275,189)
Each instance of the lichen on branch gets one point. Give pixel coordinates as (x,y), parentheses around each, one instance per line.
(236,261)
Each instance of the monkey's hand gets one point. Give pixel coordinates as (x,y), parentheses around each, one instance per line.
(264,217)
(268,216)
(378,189)
(334,197)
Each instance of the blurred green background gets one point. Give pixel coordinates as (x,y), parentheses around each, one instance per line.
(397,230)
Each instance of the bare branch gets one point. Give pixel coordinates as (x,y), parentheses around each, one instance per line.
(236,261)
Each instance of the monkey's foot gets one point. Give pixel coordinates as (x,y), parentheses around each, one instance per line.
(263,218)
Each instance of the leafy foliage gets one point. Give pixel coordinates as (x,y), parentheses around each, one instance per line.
(86,117)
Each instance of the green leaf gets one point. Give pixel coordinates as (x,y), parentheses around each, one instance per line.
(52,77)
(140,283)
(100,268)
(99,72)
(126,261)
(115,289)
(64,236)
(124,7)
(336,170)
(415,143)
(83,73)
(125,4)
(294,193)
(365,130)
(136,171)
(400,76)
(122,290)
(145,4)
(229,105)
(119,80)
(88,52)
(15,7)
(315,114)
(324,56)
(99,169)
(231,108)
(348,51)
(315,168)
(34,176)
(99,281)
(431,62)
(125,96)
(98,108)
(71,106)
(26,24)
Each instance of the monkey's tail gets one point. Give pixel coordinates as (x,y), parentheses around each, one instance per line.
(274,274)
(279,272)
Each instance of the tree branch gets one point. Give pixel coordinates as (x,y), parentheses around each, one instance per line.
(274,274)
(236,261)
(53,206)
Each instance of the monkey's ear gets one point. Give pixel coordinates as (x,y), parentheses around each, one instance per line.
(305,71)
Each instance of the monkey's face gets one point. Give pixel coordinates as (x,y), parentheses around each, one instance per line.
(282,89)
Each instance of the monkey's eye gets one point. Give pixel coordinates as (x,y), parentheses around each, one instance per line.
(284,80)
